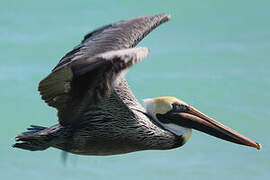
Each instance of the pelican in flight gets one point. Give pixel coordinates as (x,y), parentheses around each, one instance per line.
(97,112)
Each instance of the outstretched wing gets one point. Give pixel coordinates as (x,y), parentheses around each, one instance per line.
(85,81)
(86,74)
(121,35)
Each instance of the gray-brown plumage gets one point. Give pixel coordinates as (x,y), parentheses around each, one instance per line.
(97,112)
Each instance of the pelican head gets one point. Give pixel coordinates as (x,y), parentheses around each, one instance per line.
(179,118)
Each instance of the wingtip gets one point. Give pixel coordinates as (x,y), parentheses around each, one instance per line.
(164,16)
(156,18)
(167,16)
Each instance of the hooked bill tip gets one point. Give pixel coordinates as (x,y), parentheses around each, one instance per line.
(259,146)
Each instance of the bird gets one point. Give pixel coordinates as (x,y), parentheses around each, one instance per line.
(97,112)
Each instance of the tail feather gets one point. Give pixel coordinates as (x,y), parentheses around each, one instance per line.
(34,129)
(33,139)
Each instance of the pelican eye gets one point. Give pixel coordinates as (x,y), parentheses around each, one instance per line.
(168,117)
(180,107)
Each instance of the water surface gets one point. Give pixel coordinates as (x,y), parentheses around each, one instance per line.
(213,55)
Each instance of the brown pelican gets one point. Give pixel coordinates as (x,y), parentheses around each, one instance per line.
(97,112)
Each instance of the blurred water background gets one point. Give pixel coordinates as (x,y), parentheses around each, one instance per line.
(212,54)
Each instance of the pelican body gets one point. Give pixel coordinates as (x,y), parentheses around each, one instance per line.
(97,112)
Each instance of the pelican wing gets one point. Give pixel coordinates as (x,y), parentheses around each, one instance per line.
(121,35)
(72,87)
(85,75)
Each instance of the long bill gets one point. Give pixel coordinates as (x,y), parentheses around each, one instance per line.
(196,120)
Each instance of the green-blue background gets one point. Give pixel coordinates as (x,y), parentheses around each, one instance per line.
(212,54)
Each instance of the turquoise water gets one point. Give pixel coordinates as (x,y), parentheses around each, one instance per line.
(212,54)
